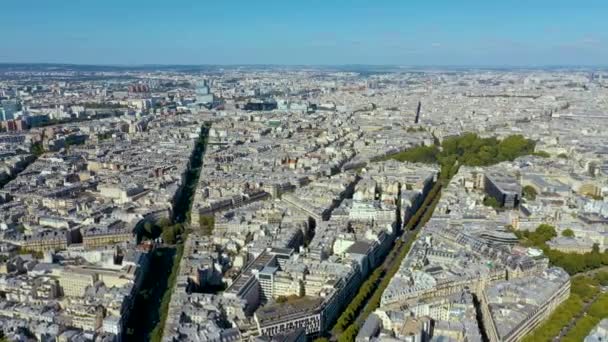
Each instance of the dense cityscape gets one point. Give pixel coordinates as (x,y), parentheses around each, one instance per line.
(303,203)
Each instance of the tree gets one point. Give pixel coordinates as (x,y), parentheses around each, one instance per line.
(172,233)
(543,233)
(420,154)
(37,149)
(513,146)
(491,202)
(169,235)
(148,227)
(568,233)
(529,192)
(602,278)
(207,223)
(573,263)
(349,334)
(467,149)
(164,222)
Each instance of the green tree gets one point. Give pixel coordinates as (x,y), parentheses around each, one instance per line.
(568,233)
(349,334)
(169,235)
(543,233)
(164,222)
(468,149)
(573,263)
(207,223)
(37,149)
(602,278)
(491,202)
(513,146)
(148,228)
(529,192)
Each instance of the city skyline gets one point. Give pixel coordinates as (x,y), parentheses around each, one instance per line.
(311,204)
(315,171)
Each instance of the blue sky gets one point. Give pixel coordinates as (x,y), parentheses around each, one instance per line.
(432,32)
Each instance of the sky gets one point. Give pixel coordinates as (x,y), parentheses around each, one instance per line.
(312,32)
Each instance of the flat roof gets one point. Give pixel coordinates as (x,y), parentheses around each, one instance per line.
(288,311)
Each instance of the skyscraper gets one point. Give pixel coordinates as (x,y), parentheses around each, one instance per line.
(8,108)
(203,93)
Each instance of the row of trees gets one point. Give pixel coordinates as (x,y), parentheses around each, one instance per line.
(422,216)
(349,314)
(432,196)
(596,312)
(206,223)
(156,334)
(183,204)
(372,289)
(170,233)
(470,149)
(369,287)
(420,154)
(537,238)
(573,263)
(467,149)
(173,231)
(178,232)
(583,290)
(427,209)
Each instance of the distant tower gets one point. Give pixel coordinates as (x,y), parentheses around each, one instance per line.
(202,88)
(203,93)
(418,113)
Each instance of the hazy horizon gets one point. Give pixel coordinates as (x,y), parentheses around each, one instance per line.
(233,65)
